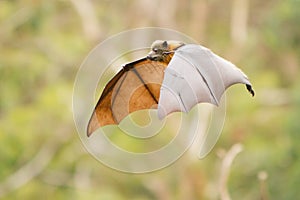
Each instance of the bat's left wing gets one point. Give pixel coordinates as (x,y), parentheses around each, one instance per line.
(135,87)
(195,74)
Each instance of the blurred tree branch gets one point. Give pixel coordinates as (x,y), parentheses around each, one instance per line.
(262,177)
(11,23)
(33,167)
(225,169)
(198,21)
(89,19)
(239,21)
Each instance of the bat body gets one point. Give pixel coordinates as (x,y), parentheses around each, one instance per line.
(173,77)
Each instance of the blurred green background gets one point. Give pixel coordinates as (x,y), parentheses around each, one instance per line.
(43,43)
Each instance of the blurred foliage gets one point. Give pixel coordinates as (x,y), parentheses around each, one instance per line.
(42,44)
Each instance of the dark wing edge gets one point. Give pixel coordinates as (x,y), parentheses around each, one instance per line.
(93,123)
(250,89)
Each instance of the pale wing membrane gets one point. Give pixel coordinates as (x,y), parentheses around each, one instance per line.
(182,88)
(229,73)
(135,87)
(194,75)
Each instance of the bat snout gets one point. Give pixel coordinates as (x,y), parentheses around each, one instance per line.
(153,56)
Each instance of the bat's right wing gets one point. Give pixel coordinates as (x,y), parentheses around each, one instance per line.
(195,74)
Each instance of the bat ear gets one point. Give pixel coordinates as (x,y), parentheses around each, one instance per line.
(165,44)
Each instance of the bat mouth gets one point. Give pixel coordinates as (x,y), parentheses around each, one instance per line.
(154,57)
(167,52)
(158,57)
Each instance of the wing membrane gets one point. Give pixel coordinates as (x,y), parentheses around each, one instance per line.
(135,87)
(194,75)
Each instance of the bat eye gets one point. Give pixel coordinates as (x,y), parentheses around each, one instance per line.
(155,50)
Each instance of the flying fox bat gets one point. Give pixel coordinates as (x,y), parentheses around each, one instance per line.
(173,77)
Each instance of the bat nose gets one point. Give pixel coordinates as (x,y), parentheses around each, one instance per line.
(152,56)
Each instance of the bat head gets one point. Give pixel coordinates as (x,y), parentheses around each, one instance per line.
(163,50)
